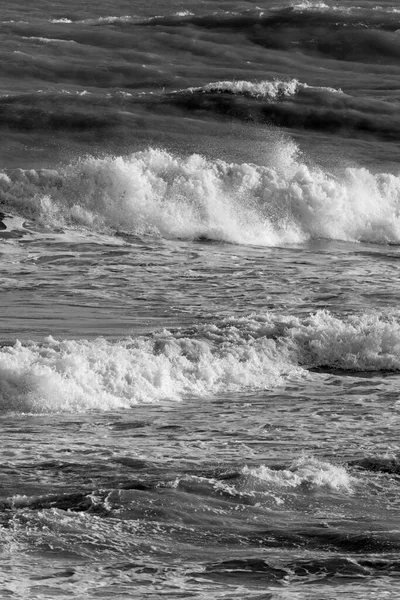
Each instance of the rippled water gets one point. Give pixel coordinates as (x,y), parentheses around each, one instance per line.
(200,333)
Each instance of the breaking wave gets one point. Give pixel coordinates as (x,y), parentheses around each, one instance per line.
(272,90)
(253,353)
(83,375)
(156,192)
(290,103)
(305,472)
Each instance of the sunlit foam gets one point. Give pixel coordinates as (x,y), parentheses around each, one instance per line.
(306,472)
(156,192)
(259,352)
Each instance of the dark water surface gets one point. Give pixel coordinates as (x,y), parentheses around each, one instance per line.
(200,348)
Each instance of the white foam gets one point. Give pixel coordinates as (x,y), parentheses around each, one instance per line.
(310,5)
(263,89)
(315,5)
(156,192)
(108,19)
(96,21)
(82,375)
(303,472)
(366,342)
(120,94)
(184,13)
(246,353)
(277,89)
(44,40)
(64,92)
(322,6)
(388,9)
(62,20)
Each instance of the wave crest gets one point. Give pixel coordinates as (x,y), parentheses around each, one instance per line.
(156,192)
(305,472)
(276,89)
(253,353)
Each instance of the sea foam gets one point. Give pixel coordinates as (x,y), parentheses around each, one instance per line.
(276,89)
(308,472)
(83,375)
(157,192)
(264,89)
(259,352)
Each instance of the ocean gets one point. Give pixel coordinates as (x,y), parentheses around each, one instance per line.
(199,309)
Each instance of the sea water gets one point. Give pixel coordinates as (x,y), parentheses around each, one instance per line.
(200,330)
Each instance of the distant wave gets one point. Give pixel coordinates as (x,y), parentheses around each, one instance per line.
(45,40)
(248,17)
(61,20)
(156,192)
(315,5)
(184,13)
(290,103)
(272,90)
(282,102)
(110,19)
(235,354)
(310,5)
(300,15)
(313,28)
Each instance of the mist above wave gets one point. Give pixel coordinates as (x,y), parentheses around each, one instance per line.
(156,192)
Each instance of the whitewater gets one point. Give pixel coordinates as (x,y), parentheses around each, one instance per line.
(199,276)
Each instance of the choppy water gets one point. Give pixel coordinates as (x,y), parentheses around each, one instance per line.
(200,347)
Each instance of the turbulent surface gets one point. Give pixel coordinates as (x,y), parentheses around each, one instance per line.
(200,349)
